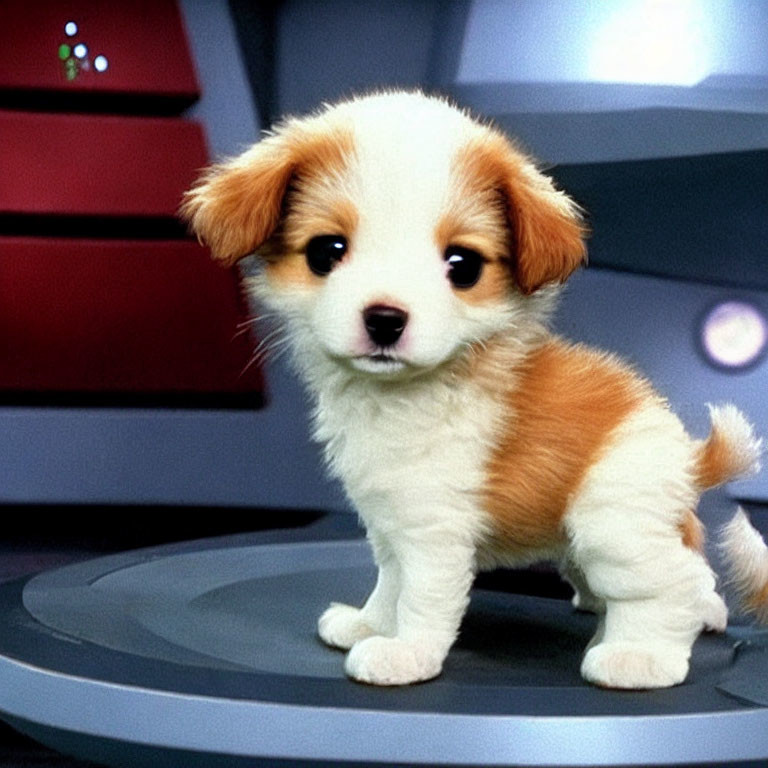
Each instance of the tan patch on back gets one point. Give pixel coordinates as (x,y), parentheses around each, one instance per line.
(567,401)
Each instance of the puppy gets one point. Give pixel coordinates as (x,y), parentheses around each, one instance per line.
(413,256)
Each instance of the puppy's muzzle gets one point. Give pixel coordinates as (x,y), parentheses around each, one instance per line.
(384,324)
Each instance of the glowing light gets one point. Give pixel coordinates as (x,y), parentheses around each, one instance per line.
(665,42)
(100,63)
(734,334)
(70,29)
(80,51)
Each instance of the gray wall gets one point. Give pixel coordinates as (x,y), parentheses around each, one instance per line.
(265,458)
(176,457)
(677,43)
(331,50)
(529,63)
(636,80)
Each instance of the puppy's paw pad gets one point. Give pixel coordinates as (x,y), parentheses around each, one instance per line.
(341,626)
(390,661)
(715,613)
(633,666)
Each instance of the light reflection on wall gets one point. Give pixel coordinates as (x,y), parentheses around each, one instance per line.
(664,42)
(653,42)
(734,335)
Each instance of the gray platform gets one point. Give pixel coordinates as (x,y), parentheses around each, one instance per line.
(205,654)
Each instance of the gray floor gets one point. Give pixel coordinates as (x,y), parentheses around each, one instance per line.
(23,554)
(39,538)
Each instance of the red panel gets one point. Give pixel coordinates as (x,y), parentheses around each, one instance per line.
(125,316)
(96,166)
(143,41)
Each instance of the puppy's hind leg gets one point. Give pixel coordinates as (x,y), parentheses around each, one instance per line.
(583,598)
(626,528)
(655,607)
(341,626)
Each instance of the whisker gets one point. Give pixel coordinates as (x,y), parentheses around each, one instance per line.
(266,342)
(272,345)
(245,325)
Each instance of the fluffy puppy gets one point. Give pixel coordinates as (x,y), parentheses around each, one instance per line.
(413,255)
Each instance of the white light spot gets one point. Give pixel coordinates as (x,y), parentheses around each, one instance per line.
(80,51)
(70,29)
(734,334)
(100,63)
(665,42)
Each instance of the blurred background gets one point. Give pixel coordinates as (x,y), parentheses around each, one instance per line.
(131,410)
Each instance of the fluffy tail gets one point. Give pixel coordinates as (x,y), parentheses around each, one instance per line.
(730,451)
(746,557)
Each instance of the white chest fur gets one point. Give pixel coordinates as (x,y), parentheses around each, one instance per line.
(409,453)
(412,457)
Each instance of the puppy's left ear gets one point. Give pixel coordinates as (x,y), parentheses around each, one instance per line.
(548,229)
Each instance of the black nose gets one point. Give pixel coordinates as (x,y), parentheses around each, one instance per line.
(384,324)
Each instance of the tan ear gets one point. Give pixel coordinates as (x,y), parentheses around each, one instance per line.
(548,230)
(234,207)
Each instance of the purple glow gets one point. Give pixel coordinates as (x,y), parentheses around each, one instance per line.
(734,334)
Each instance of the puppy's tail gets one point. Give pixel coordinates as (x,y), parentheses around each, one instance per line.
(732,450)
(746,557)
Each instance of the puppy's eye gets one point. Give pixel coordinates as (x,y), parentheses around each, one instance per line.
(324,252)
(464,266)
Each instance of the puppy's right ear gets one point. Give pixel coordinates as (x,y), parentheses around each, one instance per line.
(234,207)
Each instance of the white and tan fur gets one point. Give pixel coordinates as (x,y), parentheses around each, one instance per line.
(479,439)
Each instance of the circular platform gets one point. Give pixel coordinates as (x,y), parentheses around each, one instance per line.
(205,653)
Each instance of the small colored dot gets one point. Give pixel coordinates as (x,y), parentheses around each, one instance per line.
(64,52)
(100,63)
(70,29)
(80,51)
(70,67)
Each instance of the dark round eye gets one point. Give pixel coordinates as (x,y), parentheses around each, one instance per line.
(464,266)
(324,252)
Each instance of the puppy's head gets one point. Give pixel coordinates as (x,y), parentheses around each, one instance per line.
(395,231)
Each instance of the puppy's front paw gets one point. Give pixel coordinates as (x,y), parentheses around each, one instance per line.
(341,626)
(633,666)
(391,661)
